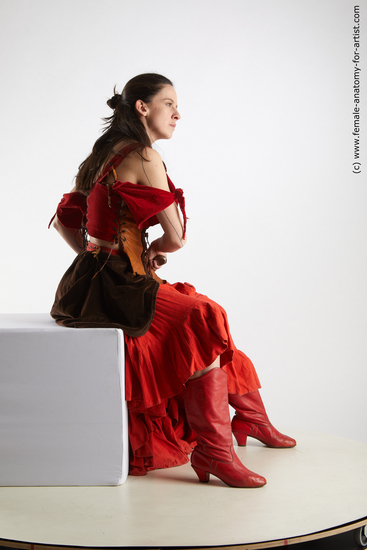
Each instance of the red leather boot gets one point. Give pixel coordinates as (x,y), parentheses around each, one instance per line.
(207,411)
(251,420)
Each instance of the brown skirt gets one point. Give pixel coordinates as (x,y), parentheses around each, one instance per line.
(101,291)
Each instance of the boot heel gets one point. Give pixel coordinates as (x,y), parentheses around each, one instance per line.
(202,474)
(240,438)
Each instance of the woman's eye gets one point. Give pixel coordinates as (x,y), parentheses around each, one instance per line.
(169,104)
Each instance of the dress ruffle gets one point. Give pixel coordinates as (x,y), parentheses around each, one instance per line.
(187,333)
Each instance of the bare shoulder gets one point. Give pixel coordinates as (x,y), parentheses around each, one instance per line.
(145,167)
(151,155)
(150,169)
(147,155)
(144,154)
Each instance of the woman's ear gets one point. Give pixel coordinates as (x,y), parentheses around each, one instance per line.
(141,107)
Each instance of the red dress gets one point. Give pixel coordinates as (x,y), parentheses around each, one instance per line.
(181,331)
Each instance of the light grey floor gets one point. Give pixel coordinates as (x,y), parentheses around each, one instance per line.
(319,485)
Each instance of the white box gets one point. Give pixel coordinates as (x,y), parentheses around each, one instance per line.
(63,415)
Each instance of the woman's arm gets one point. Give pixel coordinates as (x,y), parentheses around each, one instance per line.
(72,236)
(153,174)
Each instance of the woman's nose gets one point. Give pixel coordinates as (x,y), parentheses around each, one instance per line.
(176,115)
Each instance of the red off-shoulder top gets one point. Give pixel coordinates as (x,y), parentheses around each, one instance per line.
(100,209)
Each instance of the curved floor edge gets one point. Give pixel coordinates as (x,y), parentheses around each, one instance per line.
(18,545)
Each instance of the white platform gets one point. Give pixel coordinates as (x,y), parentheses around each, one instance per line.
(63,415)
(319,485)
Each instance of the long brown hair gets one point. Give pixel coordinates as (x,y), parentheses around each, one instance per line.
(122,124)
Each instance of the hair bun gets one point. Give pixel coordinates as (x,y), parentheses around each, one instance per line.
(114,101)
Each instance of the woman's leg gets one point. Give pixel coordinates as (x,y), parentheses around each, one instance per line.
(251,420)
(207,411)
(199,373)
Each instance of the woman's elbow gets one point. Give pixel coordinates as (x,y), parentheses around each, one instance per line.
(56,224)
(174,242)
(179,242)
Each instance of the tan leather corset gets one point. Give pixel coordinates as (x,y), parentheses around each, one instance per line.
(134,244)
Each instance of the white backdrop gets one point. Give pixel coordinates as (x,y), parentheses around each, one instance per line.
(264,151)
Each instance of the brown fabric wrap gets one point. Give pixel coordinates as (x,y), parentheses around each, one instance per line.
(100,291)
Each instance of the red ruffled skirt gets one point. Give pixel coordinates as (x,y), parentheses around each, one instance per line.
(188,332)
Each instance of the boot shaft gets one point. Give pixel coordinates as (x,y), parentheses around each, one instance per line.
(249,407)
(207,411)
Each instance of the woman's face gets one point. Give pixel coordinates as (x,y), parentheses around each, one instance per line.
(160,115)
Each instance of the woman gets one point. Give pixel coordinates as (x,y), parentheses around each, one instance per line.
(182,368)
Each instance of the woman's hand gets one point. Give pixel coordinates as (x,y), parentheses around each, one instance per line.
(156,258)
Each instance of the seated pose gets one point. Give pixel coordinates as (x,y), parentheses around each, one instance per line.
(182,367)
